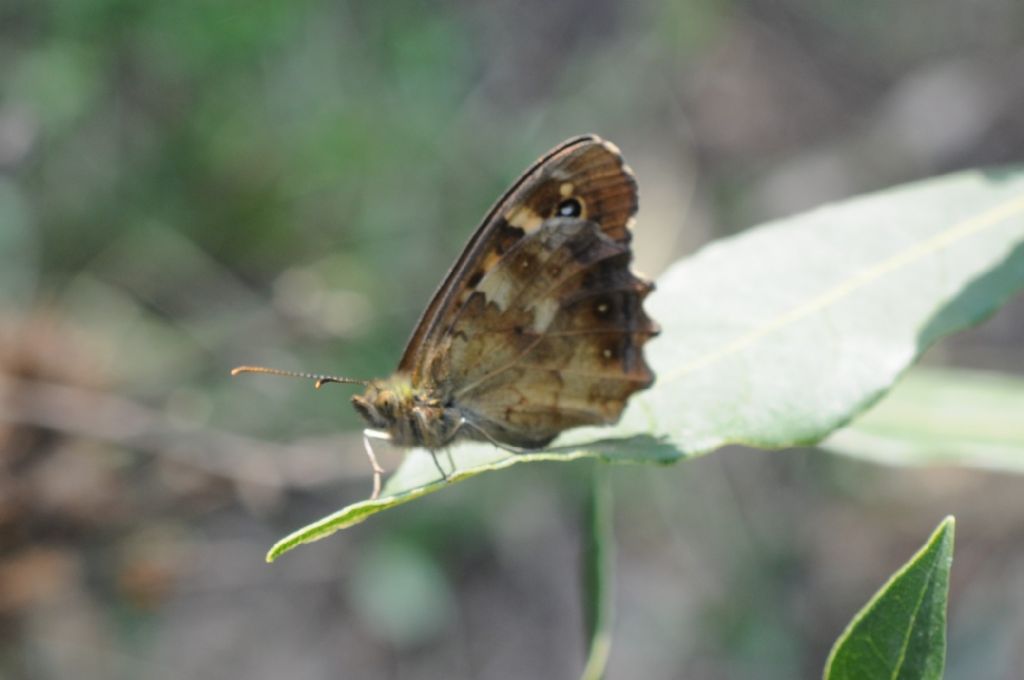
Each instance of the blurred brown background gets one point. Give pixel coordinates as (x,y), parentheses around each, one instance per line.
(186,186)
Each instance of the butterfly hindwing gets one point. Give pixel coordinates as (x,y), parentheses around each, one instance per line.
(552,337)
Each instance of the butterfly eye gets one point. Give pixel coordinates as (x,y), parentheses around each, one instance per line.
(570,207)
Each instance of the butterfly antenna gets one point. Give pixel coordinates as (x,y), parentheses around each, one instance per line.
(320,379)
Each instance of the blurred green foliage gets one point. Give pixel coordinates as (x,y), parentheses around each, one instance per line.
(185,186)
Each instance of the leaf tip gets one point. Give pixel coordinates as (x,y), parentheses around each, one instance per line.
(278,549)
(945,531)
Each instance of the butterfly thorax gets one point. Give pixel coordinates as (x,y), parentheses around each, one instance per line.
(411,416)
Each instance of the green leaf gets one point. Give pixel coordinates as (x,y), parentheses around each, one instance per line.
(781,334)
(599,575)
(941,416)
(901,633)
(418,476)
(778,336)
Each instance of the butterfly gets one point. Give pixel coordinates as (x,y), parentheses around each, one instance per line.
(538,327)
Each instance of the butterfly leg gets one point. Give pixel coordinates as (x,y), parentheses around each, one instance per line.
(451,461)
(437,463)
(377,469)
(479,430)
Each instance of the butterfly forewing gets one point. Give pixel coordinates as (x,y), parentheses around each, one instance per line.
(582,178)
(551,338)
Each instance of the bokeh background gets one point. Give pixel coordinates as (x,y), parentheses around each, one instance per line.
(190,185)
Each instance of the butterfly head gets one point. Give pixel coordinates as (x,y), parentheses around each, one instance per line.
(384,403)
(410,417)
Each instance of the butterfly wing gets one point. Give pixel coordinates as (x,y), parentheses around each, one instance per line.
(587,169)
(539,326)
(551,339)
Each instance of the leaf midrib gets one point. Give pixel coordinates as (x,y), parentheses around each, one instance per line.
(913,622)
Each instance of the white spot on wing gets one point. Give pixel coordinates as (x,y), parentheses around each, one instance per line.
(543,313)
(496,289)
(524,218)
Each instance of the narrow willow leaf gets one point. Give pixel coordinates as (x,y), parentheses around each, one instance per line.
(599,575)
(418,476)
(941,416)
(781,334)
(778,336)
(901,633)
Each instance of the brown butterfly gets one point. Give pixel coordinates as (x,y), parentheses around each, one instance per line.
(537,328)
